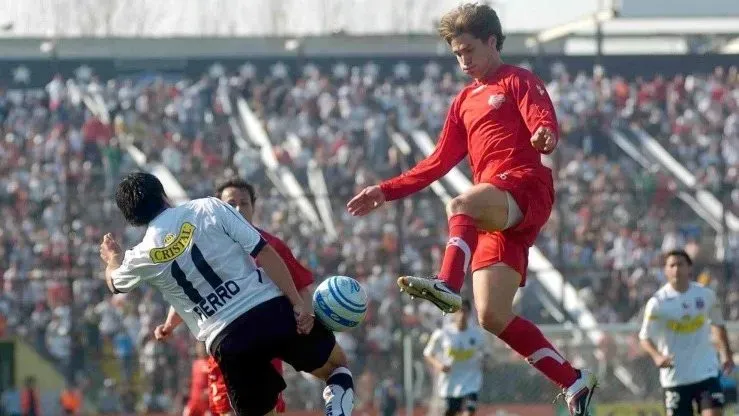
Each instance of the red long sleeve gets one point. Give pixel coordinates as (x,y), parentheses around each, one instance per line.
(450,150)
(301,276)
(533,102)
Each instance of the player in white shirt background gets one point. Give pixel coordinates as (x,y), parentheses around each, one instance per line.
(680,322)
(201,257)
(456,352)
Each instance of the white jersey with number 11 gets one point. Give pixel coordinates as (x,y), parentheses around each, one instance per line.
(200,255)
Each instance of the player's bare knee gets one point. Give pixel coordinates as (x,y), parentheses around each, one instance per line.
(494,321)
(458,205)
(336,360)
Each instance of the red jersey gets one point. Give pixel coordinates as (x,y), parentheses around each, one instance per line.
(301,276)
(493,122)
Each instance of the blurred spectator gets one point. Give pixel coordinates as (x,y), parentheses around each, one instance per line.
(70,400)
(30,398)
(388,397)
(59,165)
(109,401)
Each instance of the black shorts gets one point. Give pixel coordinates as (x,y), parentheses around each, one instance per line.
(706,394)
(454,405)
(245,349)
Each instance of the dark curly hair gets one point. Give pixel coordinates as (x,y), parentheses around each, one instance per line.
(140,196)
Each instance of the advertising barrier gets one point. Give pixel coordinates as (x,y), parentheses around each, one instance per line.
(630,409)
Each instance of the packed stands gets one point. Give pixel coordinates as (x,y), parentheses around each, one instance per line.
(60,162)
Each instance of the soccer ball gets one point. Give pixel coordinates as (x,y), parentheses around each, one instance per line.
(340,303)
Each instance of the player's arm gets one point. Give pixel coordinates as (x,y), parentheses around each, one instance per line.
(123,273)
(163,331)
(649,329)
(278,272)
(450,150)
(432,350)
(173,318)
(718,330)
(112,255)
(239,229)
(110,268)
(537,111)
(302,277)
(307,294)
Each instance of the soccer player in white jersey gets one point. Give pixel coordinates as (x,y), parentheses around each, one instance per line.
(456,352)
(678,324)
(201,256)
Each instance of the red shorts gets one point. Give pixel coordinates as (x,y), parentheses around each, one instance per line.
(218,394)
(533,191)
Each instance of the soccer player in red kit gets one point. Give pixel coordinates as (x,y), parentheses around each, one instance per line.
(241,195)
(504,121)
(197,405)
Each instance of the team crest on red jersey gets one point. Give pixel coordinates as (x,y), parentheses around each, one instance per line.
(496,100)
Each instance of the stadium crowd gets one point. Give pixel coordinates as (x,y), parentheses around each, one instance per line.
(60,163)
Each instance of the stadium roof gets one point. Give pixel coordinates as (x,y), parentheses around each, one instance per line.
(629,27)
(619,39)
(641,27)
(643,35)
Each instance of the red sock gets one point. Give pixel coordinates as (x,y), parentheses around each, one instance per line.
(459,249)
(527,340)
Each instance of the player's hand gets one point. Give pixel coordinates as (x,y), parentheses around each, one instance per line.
(728,365)
(162,332)
(663,361)
(370,198)
(544,140)
(110,250)
(304,318)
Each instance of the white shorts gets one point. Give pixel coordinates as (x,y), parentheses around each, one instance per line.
(514,217)
(514,212)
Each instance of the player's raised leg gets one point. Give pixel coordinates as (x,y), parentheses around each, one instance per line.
(339,391)
(494,288)
(318,353)
(496,282)
(483,206)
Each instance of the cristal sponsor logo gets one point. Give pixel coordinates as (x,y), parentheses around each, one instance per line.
(687,324)
(174,246)
(461,354)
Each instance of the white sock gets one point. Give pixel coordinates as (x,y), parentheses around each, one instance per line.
(339,393)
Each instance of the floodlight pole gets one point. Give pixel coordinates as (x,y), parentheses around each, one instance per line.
(598,42)
(564,30)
